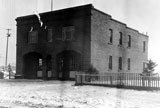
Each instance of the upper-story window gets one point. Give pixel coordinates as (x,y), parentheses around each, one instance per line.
(49,35)
(68,33)
(110,36)
(33,37)
(144,46)
(129,40)
(120,38)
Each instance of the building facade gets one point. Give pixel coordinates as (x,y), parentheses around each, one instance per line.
(57,44)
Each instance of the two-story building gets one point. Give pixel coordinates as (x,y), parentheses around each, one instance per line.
(71,40)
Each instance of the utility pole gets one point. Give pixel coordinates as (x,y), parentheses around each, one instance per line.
(8,35)
(51,5)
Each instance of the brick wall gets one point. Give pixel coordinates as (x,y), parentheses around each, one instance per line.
(91,39)
(77,17)
(101,49)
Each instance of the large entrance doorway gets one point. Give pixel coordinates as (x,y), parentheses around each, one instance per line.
(33,65)
(68,63)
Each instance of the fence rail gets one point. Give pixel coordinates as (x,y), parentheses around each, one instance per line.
(126,80)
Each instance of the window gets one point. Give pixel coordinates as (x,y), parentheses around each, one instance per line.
(129,63)
(33,37)
(60,64)
(68,33)
(144,66)
(49,62)
(129,40)
(110,36)
(120,63)
(49,35)
(40,63)
(73,63)
(120,39)
(110,62)
(144,46)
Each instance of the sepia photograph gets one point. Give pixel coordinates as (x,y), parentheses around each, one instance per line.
(79,54)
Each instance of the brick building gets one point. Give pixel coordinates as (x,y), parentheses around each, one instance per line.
(73,39)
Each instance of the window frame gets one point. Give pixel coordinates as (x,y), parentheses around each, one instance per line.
(129,41)
(144,66)
(32,37)
(110,63)
(129,64)
(49,35)
(111,36)
(73,64)
(120,63)
(144,46)
(120,38)
(40,63)
(71,30)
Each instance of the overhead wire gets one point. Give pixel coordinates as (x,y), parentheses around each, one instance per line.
(5,57)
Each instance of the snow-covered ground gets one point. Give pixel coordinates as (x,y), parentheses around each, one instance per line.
(57,94)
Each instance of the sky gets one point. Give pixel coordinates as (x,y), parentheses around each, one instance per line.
(142,15)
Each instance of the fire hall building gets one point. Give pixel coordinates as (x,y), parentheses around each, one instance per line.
(71,40)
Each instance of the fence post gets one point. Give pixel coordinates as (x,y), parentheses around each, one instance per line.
(149,81)
(143,81)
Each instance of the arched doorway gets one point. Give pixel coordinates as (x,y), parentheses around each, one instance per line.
(33,65)
(68,63)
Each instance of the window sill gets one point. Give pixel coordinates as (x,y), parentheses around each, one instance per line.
(119,70)
(65,40)
(110,43)
(129,47)
(59,39)
(109,69)
(49,41)
(32,43)
(119,45)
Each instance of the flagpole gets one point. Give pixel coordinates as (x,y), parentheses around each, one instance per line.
(51,5)
(36,6)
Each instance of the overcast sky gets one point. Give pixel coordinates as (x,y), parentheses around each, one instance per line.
(142,15)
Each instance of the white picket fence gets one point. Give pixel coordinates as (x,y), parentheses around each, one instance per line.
(133,80)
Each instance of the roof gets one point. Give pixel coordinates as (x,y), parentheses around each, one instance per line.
(82,7)
(74,11)
(118,21)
